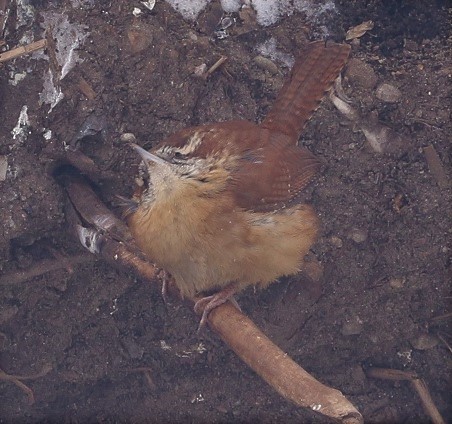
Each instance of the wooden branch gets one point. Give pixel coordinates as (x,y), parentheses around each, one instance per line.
(237,330)
(277,368)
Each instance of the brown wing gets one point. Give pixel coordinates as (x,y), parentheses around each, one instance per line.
(317,66)
(269,171)
(273,177)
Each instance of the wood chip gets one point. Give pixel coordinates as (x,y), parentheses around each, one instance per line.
(3,167)
(436,167)
(86,89)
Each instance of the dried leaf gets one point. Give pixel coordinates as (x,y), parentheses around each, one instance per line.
(359,30)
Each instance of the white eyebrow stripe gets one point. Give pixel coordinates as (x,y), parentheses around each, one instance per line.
(192,144)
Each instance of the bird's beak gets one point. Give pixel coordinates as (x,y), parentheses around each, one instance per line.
(145,155)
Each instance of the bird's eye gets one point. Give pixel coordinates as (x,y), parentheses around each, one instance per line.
(178,157)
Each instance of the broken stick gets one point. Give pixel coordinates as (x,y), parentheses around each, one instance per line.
(19,51)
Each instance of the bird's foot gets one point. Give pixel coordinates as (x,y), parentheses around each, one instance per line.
(167,280)
(205,305)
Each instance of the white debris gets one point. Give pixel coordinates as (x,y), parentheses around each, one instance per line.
(83,3)
(51,92)
(268,12)
(197,398)
(164,345)
(268,49)
(314,9)
(16,77)
(68,38)
(20,131)
(136,12)
(25,13)
(149,4)
(47,135)
(189,9)
(231,5)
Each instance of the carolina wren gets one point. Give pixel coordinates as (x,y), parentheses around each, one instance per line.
(222,208)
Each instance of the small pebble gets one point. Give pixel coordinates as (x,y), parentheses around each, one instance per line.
(134,350)
(7,313)
(397,282)
(266,64)
(358,376)
(127,138)
(361,73)
(200,70)
(411,45)
(424,342)
(357,235)
(388,93)
(352,326)
(336,241)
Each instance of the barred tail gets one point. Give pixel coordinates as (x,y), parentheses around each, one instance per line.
(316,68)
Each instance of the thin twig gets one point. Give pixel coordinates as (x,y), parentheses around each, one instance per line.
(17,380)
(43,267)
(418,385)
(214,67)
(444,341)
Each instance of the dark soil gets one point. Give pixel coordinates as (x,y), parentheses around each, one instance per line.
(383,298)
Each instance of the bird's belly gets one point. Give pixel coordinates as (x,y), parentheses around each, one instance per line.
(244,247)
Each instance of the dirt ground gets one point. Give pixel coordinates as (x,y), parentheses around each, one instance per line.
(109,348)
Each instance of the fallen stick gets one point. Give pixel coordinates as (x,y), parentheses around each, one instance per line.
(234,328)
(418,385)
(20,51)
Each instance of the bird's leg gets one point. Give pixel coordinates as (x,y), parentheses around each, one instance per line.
(206,304)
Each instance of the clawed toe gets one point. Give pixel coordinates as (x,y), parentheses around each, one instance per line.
(205,305)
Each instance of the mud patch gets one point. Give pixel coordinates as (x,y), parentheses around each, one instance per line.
(116,351)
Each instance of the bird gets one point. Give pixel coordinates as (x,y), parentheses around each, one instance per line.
(223,210)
